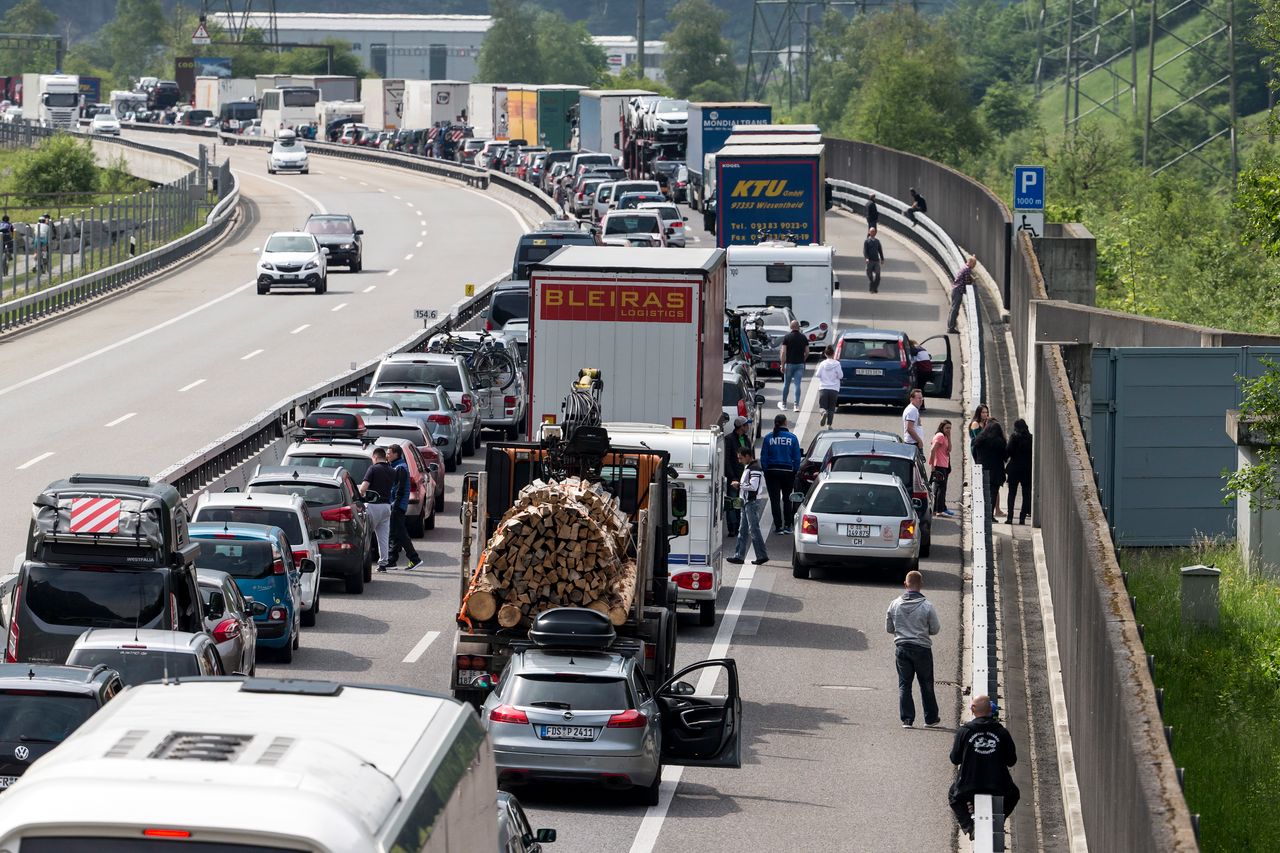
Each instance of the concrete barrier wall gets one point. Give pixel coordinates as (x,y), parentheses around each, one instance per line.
(148,165)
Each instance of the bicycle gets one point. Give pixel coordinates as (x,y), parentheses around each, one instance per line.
(489,361)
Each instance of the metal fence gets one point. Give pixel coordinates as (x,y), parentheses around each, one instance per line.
(107,246)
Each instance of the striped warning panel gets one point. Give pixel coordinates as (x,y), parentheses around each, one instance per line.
(95,515)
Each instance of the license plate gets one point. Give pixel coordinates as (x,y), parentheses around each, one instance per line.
(567,733)
(6,781)
(469,676)
(868,371)
(861,530)
(291,276)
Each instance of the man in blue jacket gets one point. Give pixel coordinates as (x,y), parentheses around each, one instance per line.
(400,490)
(780,459)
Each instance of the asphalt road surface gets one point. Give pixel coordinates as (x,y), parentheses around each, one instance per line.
(136,384)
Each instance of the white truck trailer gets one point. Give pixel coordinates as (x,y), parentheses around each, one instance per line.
(213,92)
(383,103)
(429,102)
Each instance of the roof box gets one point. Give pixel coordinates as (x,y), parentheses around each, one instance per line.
(572,628)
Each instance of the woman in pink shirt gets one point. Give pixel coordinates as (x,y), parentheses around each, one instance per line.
(940,461)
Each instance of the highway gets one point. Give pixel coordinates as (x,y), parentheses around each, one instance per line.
(140,382)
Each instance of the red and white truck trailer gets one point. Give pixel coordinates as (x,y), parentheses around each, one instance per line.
(652,320)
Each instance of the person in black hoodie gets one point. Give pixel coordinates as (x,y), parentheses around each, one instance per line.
(1019,468)
(983,751)
(989,450)
(873,252)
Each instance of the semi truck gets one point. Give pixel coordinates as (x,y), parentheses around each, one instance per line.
(487,110)
(429,102)
(601,115)
(53,100)
(213,92)
(383,103)
(750,134)
(651,319)
(710,124)
(770,192)
(263,82)
(332,87)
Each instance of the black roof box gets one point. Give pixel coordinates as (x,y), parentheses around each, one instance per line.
(572,628)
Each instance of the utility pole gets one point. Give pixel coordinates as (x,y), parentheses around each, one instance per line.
(640,38)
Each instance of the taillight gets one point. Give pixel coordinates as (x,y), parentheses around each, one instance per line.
(438,419)
(922,497)
(166,833)
(300,555)
(277,614)
(509,402)
(226,630)
(813,337)
(809,525)
(277,568)
(822,327)
(632,719)
(488,325)
(342,513)
(508,714)
(472,662)
(677,224)
(742,408)
(466,403)
(902,356)
(693,580)
(907,529)
(11,649)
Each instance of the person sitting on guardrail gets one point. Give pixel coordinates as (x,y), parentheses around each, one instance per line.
(963,280)
(983,750)
(918,205)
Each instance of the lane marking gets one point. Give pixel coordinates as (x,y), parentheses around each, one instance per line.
(30,462)
(392,272)
(410,204)
(419,245)
(300,328)
(251,355)
(256,250)
(342,177)
(120,419)
(363,184)
(339,306)
(417,651)
(424,233)
(396,197)
(417,213)
(190,385)
(409,256)
(135,336)
(369,288)
(423,223)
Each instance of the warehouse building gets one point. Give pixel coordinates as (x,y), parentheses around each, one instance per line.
(620,52)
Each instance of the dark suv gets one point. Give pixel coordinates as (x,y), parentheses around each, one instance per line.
(338,233)
(41,705)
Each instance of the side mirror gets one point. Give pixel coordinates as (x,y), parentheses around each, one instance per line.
(307,566)
(679,527)
(679,503)
(324,250)
(544,836)
(324,534)
(257,608)
(484,682)
(441,441)
(432,467)
(359,232)
(797,497)
(759,401)
(804,324)
(681,688)
(684,219)
(372,497)
(760,383)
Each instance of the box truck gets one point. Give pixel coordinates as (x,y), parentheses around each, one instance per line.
(263,82)
(601,113)
(652,320)
(557,113)
(770,192)
(710,124)
(332,87)
(383,103)
(487,110)
(52,100)
(429,102)
(213,92)
(522,113)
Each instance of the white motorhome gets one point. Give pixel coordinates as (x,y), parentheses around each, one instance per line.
(801,278)
(258,764)
(125,103)
(697,495)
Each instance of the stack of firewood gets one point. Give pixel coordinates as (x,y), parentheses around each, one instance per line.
(563,544)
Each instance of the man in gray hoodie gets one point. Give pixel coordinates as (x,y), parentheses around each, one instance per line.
(912,621)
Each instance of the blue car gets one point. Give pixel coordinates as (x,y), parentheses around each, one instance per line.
(883,365)
(261,561)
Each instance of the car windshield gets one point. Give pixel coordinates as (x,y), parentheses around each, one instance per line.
(293,243)
(632,224)
(667,212)
(240,558)
(138,666)
(421,373)
(896,465)
(868,349)
(40,716)
(356,466)
(286,520)
(329,226)
(669,106)
(412,401)
(563,691)
(312,494)
(732,393)
(859,499)
(97,598)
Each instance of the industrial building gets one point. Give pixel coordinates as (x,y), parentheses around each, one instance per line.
(620,52)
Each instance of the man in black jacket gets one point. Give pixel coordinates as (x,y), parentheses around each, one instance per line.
(874,254)
(984,752)
(918,205)
(873,212)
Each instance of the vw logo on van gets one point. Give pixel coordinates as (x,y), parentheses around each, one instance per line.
(21,753)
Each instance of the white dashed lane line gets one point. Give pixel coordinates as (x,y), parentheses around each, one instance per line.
(30,462)
(417,651)
(120,419)
(301,328)
(419,246)
(369,288)
(190,385)
(409,256)
(339,306)
(392,272)
(251,355)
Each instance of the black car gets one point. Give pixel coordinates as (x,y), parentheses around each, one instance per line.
(539,245)
(338,233)
(41,705)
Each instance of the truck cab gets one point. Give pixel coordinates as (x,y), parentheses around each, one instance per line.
(59,100)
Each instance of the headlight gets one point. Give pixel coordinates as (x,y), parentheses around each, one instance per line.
(347,246)
(311,265)
(267,266)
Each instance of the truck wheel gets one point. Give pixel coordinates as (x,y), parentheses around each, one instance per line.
(355,583)
(706,613)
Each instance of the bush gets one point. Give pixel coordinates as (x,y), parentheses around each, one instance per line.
(60,164)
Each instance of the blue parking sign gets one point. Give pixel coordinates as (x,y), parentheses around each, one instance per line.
(1028,187)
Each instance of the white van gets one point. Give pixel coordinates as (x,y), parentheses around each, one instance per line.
(801,278)
(698,458)
(262,764)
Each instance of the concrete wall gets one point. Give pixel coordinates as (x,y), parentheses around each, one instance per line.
(1068,256)
(156,168)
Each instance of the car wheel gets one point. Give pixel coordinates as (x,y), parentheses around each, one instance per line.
(355,583)
(927,542)
(430,523)
(799,568)
(356,266)
(440,501)
(285,655)
(323,286)
(512,432)
(271,171)
(371,557)
(706,613)
(469,446)
(416,526)
(451,464)
(309,615)
(649,796)
(264,289)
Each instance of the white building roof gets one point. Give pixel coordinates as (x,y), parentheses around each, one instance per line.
(358,22)
(628,43)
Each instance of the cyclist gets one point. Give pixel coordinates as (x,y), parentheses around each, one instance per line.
(6,243)
(44,232)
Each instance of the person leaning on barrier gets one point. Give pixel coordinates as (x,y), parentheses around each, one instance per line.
(983,750)
(963,280)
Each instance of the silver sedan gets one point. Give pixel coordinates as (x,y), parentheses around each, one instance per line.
(228,619)
(432,406)
(851,518)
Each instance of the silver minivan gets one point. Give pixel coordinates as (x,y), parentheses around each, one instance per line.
(430,369)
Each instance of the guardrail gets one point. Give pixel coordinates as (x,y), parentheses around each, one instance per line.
(988,810)
(157,213)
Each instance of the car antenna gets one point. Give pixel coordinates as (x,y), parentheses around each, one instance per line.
(31,673)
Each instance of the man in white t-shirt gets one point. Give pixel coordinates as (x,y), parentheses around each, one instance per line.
(911,422)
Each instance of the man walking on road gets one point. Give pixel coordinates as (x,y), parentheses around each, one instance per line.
(963,279)
(737,440)
(780,458)
(984,752)
(795,349)
(874,254)
(749,487)
(911,422)
(912,621)
(829,375)
(379,480)
(873,213)
(400,506)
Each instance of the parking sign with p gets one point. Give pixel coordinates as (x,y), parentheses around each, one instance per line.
(1028,187)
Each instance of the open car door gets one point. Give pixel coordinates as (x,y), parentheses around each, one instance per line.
(699,728)
(939,384)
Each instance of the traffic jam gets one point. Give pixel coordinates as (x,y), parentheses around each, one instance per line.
(597,503)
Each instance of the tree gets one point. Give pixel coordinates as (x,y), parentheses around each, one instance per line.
(1260,408)
(696,50)
(566,52)
(29,17)
(509,53)
(134,36)
(1006,108)
(60,164)
(1258,203)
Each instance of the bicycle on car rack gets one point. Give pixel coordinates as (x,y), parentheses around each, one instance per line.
(489,361)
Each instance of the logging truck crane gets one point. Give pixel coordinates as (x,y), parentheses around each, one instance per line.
(577,446)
